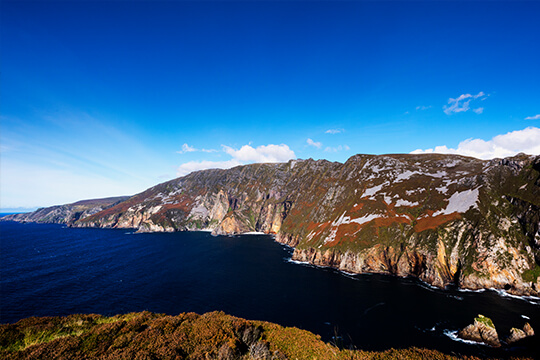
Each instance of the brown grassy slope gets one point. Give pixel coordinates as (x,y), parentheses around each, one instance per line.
(186,336)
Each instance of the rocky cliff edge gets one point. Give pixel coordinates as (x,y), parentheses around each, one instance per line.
(445,219)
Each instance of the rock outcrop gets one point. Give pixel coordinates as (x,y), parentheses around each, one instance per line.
(446,219)
(527,328)
(184,336)
(482,331)
(518,334)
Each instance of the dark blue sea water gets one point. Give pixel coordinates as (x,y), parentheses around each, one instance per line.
(49,270)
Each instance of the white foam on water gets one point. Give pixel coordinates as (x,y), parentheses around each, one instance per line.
(530,299)
(453,334)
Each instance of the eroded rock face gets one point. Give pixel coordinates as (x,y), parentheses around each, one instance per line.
(528,330)
(482,331)
(518,334)
(515,335)
(445,219)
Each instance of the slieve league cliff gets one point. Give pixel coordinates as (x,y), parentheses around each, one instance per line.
(445,219)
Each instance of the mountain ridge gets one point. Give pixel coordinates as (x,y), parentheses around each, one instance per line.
(67,213)
(445,219)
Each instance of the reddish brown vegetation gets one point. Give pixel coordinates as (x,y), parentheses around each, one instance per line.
(185,336)
(432,222)
(347,232)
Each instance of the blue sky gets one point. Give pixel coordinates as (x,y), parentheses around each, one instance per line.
(111,97)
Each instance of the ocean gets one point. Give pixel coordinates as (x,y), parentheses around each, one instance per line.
(53,270)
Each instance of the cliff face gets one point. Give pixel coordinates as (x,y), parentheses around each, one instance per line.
(67,214)
(445,219)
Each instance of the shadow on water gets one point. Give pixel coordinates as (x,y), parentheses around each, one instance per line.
(49,270)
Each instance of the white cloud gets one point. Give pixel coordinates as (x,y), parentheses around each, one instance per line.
(535,117)
(334,131)
(246,154)
(186,148)
(336,149)
(512,143)
(479,110)
(313,143)
(461,104)
(263,153)
(423,107)
(191,166)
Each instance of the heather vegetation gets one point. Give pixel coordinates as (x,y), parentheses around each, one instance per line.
(485,320)
(186,336)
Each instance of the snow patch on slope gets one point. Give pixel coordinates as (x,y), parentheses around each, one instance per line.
(460,202)
(406,175)
(361,220)
(402,202)
(373,190)
(366,218)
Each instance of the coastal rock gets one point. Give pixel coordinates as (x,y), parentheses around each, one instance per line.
(518,334)
(146,335)
(527,328)
(515,335)
(445,219)
(482,331)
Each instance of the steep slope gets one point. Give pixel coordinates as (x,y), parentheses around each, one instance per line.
(67,214)
(185,336)
(445,219)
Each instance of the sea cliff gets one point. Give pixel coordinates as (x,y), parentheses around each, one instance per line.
(445,219)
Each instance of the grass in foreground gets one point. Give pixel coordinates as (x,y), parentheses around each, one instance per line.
(186,336)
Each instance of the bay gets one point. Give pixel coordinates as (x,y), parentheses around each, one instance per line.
(52,270)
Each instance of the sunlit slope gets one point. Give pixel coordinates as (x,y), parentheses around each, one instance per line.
(442,218)
(186,336)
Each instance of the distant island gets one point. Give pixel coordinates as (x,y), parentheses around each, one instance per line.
(445,219)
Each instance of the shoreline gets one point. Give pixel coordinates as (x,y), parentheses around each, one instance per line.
(534,300)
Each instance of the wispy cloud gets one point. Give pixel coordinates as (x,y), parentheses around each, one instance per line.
(334,131)
(461,104)
(338,148)
(314,143)
(423,107)
(187,148)
(192,166)
(535,117)
(512,143)
(41,185)
(479,110)
(49,160)
(245,155)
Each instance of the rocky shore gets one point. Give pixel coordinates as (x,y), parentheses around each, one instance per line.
(483,331)
(445,219)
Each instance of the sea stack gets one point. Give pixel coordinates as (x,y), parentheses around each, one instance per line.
(482,331)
